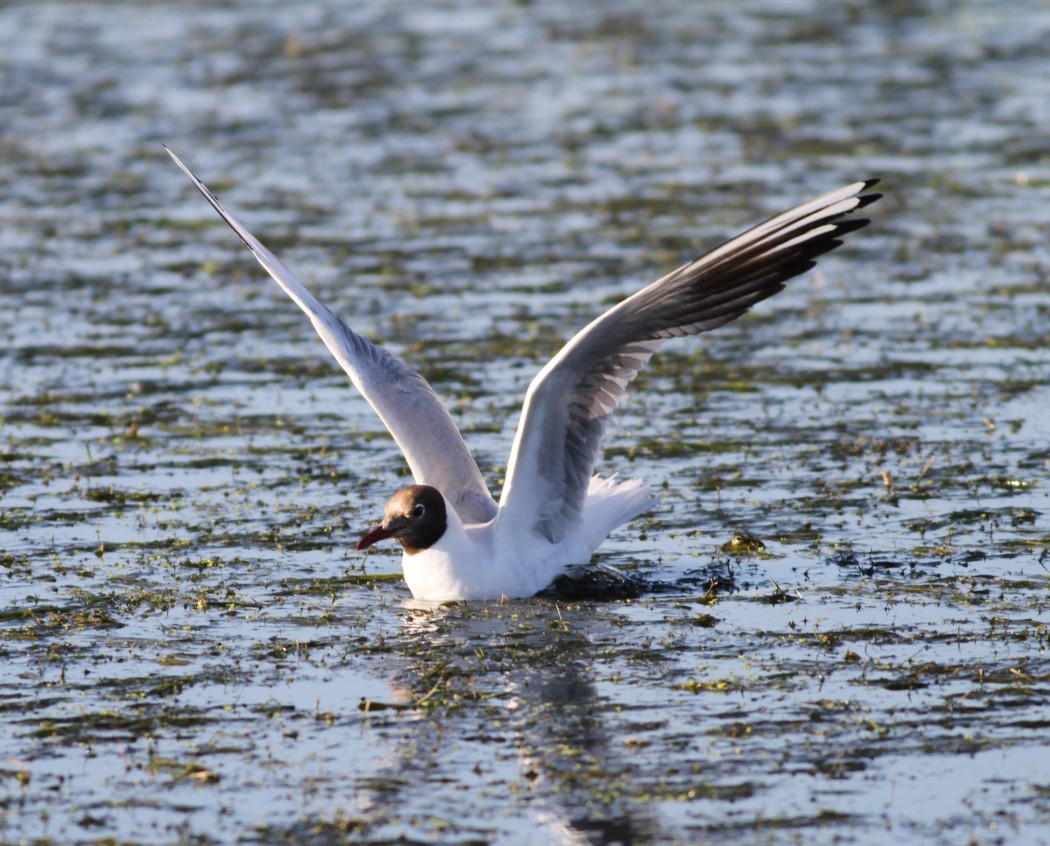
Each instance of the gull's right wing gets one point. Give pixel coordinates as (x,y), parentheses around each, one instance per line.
(419,422)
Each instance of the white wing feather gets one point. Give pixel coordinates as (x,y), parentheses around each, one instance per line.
(419,422)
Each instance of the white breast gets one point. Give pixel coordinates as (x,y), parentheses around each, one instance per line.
(471,562)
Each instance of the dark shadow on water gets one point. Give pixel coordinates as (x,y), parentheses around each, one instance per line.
(602,583)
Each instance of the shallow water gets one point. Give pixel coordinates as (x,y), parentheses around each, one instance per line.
(193,652)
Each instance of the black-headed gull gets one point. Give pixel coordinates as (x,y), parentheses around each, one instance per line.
(553,512)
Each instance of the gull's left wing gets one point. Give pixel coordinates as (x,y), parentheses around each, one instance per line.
(566,407)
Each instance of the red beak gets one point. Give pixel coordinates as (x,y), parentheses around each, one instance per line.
(375,535)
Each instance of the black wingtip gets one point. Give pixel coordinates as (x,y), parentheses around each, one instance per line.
(867,200)
(850,224)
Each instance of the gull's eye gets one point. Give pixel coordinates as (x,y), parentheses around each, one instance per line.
(418,510)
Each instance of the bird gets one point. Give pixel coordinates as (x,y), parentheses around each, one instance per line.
(458,542)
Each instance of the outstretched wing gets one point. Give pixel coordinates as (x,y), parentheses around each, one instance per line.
(566,407)
(407,405)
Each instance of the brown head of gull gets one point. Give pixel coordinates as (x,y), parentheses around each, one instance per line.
(415,517)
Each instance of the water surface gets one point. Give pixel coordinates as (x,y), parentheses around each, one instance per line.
(193,652)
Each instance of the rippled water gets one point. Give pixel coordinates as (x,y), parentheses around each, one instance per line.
(193,653)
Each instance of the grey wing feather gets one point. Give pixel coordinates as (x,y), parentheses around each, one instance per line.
(568,403)
(413,414)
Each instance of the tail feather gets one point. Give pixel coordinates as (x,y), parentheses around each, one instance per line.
(611,503)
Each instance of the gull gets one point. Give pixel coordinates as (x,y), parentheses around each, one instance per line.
(458,543)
